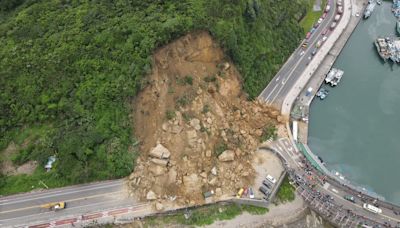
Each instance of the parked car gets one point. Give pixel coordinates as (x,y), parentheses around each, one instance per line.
(320,20)
(240,192)
(304,45)
(324,38)
(324,32)
(267,184)
(264,190)
(251,193)
(271,179)
(324,15)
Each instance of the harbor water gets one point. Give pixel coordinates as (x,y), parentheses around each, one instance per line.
(356,129)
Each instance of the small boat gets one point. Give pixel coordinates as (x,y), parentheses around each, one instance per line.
(322,93)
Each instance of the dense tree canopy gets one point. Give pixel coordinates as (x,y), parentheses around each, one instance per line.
(73,65)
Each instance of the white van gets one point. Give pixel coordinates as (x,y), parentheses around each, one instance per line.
(271,179)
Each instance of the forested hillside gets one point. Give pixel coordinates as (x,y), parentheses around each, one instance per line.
(69,68)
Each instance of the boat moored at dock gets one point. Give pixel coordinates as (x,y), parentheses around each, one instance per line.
(334,76)
(370,7)
(388,48)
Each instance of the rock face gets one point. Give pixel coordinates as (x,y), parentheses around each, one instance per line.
(160,152)
(151,195)
(227,155)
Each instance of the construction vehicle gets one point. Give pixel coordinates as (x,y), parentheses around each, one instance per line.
(55,206)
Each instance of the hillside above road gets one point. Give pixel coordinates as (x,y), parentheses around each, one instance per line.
(69,68)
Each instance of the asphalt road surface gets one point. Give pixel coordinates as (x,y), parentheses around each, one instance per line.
(276,91)
(80,199)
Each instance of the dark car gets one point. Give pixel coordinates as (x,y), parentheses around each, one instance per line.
(264,190)
(314,51)
(267,184)
(350,198)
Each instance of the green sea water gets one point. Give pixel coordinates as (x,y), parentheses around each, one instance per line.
(356,129)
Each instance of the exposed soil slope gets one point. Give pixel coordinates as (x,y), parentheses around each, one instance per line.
(197,129)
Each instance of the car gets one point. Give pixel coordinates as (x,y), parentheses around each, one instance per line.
(251,193)
(239,194)
(324,38)
(324,32)
(264,190)
(312,30)
(302,53)
(304,45)
(357,14)
(317,45)
(324,15)
(245,192)
(308,35)
(271,179)
(314,51)
(350,198)
(315,26)
(267,184)
(320,20)
(334,190)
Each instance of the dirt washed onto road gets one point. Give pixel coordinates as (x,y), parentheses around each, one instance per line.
(197,130)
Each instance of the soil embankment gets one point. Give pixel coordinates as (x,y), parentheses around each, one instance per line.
(197,130)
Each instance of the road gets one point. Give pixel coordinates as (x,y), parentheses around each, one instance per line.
(80,199)
(276,91)
(295,161)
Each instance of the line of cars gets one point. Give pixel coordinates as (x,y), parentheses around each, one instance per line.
(267,186)
(245,192)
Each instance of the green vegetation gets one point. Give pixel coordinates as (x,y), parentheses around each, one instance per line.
(71,67)
(286,191)
(206,108)
(205,215)
(170,114)
(219,148)
(311,16)
(268,132)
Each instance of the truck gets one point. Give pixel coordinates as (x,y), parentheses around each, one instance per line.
(350,198)
(54,206)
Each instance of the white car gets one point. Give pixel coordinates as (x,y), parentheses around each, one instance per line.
(301,53)
(334,190)
(324,38)
(320,20)
(251,193)
(271,179)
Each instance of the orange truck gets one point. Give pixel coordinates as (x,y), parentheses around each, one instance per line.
(55,206)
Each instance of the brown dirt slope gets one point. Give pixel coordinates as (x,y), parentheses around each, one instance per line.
(197,129)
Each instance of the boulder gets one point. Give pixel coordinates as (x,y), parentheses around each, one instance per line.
(213,181)
(195,123)
(157,170)
(214,171)
(208,153)
(159,206)
(161,162)
(160,152)
(227,155)
(151,195)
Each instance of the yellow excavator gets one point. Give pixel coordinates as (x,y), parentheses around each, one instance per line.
(54,206)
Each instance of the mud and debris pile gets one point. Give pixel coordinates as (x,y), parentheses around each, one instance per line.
(196,128)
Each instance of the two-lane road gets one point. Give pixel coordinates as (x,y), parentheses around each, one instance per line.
(80,199)
(284,80)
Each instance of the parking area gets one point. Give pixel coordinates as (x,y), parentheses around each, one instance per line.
(265,163)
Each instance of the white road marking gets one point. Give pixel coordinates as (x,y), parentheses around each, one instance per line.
(271,92)
(60,194)
(298,62)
